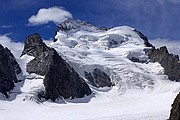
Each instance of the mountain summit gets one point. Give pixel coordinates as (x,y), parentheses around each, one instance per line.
(112,51)
(71,24)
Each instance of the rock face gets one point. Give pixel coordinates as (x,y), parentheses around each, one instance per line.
(71,24)
(98,78)
(175,111)
(146,42)
(75,25)
(9,68)
(169,62)
(60,79)
(34,46)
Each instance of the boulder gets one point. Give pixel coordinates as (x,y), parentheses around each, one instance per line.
(60,80)
(9,68)
(98,78)
(175,111)
(168,61)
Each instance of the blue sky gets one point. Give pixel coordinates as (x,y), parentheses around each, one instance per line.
(155,18)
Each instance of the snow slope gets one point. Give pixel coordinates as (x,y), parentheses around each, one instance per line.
(109,51)
(141,91)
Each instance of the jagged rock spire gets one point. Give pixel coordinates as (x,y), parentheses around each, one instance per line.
(168,61)
(60,79)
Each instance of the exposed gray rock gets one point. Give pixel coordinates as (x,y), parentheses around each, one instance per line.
(175,111)
(90,78)
(98,78)
(169,62)
(34,45)
(60,80)
(134,59)
(9,68)
(146,42)
(71,24)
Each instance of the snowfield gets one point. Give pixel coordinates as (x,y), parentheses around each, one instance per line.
(141,91)
(134,105)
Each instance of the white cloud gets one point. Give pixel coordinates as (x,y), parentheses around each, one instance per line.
(52,14)
(15,47)
(172,45)
(7,26)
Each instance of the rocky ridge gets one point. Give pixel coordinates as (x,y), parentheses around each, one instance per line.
(169,62)
(61,80)
(71,24)
(141,35)
(9,68)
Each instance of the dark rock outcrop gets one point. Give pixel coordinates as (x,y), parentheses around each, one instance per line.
(98,78)
(34,45)
(71,24)
(175,111)
(9,68)
(146,42)
(169,62)
(134,59)
(60,79)
(90,78)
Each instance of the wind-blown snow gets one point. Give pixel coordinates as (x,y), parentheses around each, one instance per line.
(141,91)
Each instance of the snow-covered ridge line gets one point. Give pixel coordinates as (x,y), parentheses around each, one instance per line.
(71,24)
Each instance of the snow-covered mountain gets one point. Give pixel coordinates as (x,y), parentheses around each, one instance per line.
(113,51)
(114,62)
